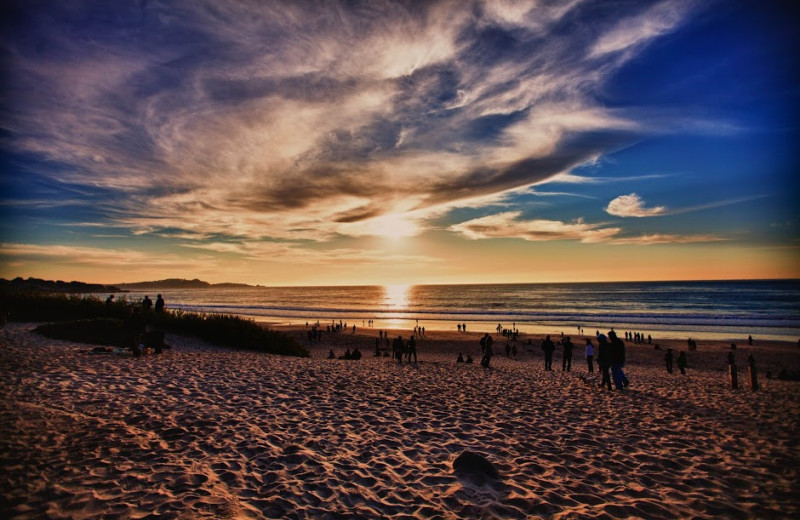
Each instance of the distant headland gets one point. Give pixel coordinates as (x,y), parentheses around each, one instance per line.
(37,284)
(177,283)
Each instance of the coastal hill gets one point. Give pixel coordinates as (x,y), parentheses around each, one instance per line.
(176,283)
(37,284)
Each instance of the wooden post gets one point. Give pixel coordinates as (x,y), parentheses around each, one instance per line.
(733,376)
(753,372)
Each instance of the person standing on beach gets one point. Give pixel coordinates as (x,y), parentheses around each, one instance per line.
(160,305)
(488,352)
(566,361)
(147,304)
(397,349)
(590,355)
(549,347)
(618,361)
(682,362)
(604,359)
(668,360)
(411,348)
(483,343)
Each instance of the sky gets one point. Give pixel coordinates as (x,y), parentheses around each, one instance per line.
(399,142)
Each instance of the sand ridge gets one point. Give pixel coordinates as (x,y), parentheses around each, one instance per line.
(201,432)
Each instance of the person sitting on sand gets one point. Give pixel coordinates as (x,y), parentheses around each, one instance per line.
(331,355)
(469,360)
(460,358)
(347,355)
(356,354)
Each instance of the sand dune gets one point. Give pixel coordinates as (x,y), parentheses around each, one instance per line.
(201,432)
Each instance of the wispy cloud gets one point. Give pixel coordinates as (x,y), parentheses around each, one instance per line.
(297,122)
(633,205)
(510,225)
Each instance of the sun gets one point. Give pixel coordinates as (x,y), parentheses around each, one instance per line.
(394,226)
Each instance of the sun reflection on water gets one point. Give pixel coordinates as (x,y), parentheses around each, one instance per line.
(396,297)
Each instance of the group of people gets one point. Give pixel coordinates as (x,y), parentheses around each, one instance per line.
(404,349)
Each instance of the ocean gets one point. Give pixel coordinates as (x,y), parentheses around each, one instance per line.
(703,310)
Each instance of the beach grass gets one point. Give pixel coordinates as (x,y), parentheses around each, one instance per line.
(89,319)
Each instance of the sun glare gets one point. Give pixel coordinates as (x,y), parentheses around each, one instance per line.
(395,297)
(393,226)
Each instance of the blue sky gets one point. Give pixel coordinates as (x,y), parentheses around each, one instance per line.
(399,142)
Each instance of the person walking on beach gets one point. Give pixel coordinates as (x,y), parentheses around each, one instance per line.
(159,304)
(397,349)
(566,361)
(549,347)
(590,355)
(668,360)
(411,349)
(618,361)
(604,359)
(488,352)
(483,341)
(682,362)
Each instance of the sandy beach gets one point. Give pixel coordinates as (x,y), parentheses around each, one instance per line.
(204,432)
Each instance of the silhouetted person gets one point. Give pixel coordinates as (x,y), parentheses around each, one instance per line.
(397,349)
(331,355)
(483,342)
(749,340)
(604,359)
(147,303)
(159,304)
(411,348)
(488,352)
(110,301)
(459,327)
(356,354)
(469,360)
(668,360)
(590,355)
(682,362)
(460,358)
(566,360)
(549,348)
(617,361)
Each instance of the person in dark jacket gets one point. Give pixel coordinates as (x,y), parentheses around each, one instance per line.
(668,360)
(549,347)
(566,359)
(604,359)
(618,361)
